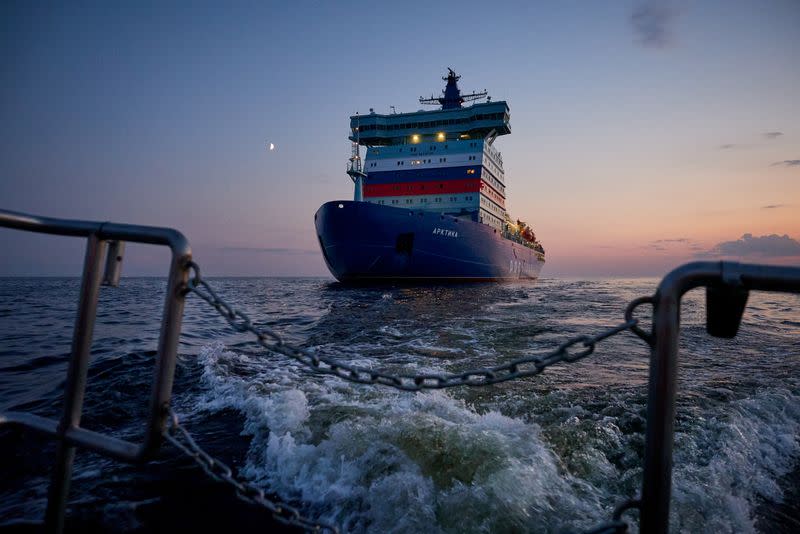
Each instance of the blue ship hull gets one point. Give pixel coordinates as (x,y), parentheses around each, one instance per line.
(364,242)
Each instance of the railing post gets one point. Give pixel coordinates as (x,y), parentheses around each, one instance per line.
(657,476)
(113,270)
(168,341)
(730,283)
(75,386)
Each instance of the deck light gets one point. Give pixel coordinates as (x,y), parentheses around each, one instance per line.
(415,138)
(440,136)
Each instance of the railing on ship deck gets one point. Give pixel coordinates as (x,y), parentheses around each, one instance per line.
(100,238)
(727,285)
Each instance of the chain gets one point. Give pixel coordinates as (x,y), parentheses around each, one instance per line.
(272,341)
(245,491)
(520,368)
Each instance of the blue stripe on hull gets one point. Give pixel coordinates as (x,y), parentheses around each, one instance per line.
(425,175)
(362,241)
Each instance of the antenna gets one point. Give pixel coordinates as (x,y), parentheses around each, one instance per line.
(452,97)
(394,111)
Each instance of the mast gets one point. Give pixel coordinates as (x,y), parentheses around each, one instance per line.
(354,167)
(451,95)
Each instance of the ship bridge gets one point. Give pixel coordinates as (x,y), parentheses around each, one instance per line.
(473,122)
(451,122)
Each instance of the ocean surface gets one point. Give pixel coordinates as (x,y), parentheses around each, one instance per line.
(552,453)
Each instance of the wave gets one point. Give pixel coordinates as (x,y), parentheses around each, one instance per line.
(370,459)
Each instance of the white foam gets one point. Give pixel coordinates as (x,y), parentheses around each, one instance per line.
(370,458)
(728,462)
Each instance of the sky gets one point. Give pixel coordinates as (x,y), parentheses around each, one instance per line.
(644,133)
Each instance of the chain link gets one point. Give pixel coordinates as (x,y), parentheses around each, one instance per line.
(245,491)
(520,368)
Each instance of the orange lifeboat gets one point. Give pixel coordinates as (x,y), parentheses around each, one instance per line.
(528,235)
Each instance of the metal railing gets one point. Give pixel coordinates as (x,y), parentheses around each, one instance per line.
(727,286)
(67,431)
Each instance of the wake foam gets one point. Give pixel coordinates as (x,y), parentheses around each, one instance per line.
(368,458)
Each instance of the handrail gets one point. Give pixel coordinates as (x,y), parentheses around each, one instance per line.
(68,431)
(727,285)
(153,235)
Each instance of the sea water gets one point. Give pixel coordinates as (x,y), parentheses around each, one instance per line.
(551,453)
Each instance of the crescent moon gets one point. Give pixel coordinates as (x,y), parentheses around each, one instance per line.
(271,146)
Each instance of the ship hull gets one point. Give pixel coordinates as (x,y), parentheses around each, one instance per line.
(365,242)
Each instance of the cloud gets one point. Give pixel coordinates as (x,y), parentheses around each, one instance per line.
(787,163)
(269,250)
(737,146)
(773,206)
(675,240)
(652,24)
(766,246)
(675,245)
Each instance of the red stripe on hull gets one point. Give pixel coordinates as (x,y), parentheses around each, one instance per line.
(472,185)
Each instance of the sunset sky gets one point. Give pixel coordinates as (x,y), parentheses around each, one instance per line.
(644,134)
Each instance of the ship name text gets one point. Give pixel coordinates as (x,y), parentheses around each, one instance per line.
(445,232)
